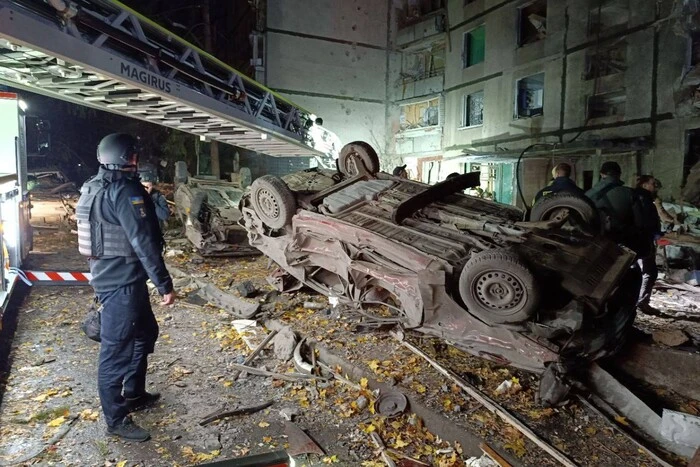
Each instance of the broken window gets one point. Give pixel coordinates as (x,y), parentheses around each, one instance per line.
(473,112)
(530,96)
(607,105)
(695,49)
(607,16)
(424,64)
(423,114)
(474,47)
(532,22)
(604,61)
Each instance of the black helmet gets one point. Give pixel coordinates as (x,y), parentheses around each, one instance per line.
(117,149)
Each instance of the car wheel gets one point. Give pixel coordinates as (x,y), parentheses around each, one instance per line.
(581,210)
(498,288)
(356,153)
(272,201)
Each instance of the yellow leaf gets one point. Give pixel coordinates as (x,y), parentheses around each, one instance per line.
(57,421)
(621,420)
(227,383)
(369,428)
(396,425)
(420,388)
(373,365)
(267,439)
(330,460)
(400,443)
(363,383)
(121,463)
(263,424)
(591,430)
(89,414)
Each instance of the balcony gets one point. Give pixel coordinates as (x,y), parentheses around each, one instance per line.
(423,31)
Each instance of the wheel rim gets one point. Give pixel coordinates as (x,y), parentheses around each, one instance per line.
(574,216)
(499,291)
(268,204)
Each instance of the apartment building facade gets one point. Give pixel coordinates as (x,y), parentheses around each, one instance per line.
(586,81)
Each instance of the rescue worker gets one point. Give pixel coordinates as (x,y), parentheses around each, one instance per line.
(400,171)
(118,230)
(561,183)
(648,219)
(615,201)
(159,201)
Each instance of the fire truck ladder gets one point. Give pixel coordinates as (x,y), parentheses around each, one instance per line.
(102,54)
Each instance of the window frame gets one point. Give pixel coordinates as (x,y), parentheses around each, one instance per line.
(466,46)
(520,29)
(420,128)
(516,115)
(465,110)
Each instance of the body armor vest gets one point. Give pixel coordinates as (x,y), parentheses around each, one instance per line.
(98,238)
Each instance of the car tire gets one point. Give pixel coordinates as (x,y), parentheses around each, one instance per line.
(547,207)
(358,152)
(272,201)
(498,288)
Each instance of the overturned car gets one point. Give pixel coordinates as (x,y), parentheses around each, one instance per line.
(536,295)
(208,210)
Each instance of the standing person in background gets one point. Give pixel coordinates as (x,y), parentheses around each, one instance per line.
(118,231)
(159,201)
(647,217)
(561,182)
(615,201)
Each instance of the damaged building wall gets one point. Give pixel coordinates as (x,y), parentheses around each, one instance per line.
(331,58)
(574,71)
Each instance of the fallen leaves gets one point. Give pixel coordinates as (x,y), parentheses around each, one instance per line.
(90,415)
(198,457)
(622,420)
(57,422)
(263,424)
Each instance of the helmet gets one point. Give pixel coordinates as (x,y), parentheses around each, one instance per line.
(117,149)
(147,176)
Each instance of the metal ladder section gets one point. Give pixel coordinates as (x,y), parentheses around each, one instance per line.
(102,54)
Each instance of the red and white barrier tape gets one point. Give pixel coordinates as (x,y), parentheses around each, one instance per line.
(53,276)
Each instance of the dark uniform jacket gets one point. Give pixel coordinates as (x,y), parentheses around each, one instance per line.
(558,185)
(127,203)
(647,219)
(161,205)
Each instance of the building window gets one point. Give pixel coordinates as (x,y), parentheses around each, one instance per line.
(468,2)
(532,22)
(605,61)
(473,112)
(606,105)
(423,114)
(608,16)
(695,49)
(530,96)
(474,47)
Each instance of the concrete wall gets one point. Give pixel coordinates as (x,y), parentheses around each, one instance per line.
(331,58)
(655,61)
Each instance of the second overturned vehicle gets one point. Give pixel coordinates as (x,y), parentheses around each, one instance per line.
(541,296)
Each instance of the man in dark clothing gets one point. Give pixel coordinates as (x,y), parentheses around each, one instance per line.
(118,230)
(616,202)
(650,230)
(561,183)
(400,171)
(159,201)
